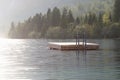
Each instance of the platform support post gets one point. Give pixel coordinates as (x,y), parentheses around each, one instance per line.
(84,41)
(77,41)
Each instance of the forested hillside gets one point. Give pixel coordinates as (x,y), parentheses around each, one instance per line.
(98,20)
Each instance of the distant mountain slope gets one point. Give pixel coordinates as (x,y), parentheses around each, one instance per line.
(80,7)
(96,6)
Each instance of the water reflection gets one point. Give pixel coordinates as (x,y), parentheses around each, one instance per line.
(117,56)
(9,55)
(32,60)
(81,55)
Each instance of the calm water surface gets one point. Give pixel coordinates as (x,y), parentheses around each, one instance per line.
(32,60)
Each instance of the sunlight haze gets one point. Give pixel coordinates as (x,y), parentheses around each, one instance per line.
(19,10)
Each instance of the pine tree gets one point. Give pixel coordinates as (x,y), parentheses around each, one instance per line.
(77,21)
(100,21)
(56,17)
(117,11)
(64,19)
(11,33)
(85,19)
(49,15)
(70,17)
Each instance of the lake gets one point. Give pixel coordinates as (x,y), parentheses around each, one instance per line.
(29,59)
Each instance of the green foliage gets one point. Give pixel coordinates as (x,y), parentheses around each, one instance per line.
(56,17)
(54,32)
(70,17)
(116,11)
(77,21)
(113,31)
(92,18)
(106,18)
(62,24)
(34,35)
(64,18)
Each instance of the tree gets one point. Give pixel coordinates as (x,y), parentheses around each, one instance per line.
(112,31)
(64,19)
(115,30)
(116,12)
(77,21)
(56,17)
(54,32)
(36,22)
(92,18)
(86,19)
(70,17)
(106,18)
(49,16)
(12,31)
(44,25)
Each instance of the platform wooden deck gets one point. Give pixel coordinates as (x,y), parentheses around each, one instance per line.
(72,46)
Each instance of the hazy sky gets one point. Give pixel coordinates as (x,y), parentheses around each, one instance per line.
(19,10)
